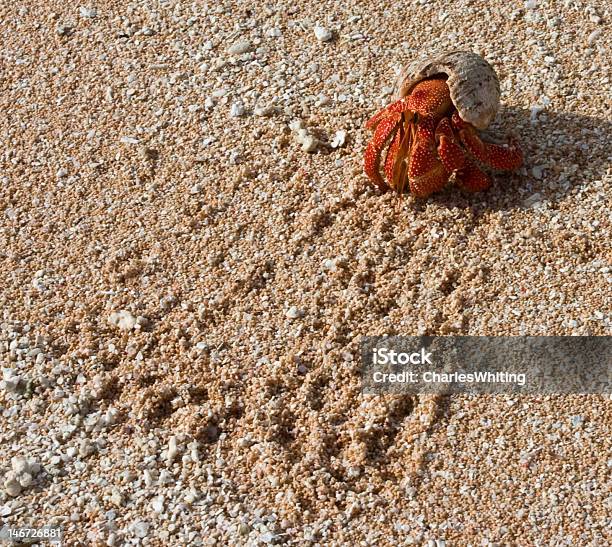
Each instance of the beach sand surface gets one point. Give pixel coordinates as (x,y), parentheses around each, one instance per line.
(183,287)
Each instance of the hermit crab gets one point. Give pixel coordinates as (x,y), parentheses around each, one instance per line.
(431,132)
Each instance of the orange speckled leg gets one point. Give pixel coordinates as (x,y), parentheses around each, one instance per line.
(426,172)
(401,165)
(374,150)
(392,155)
(394,108)
(496,156)
(472,179)
(450,152)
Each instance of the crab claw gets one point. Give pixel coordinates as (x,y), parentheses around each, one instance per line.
(496,156)
(384,129)
(429,98)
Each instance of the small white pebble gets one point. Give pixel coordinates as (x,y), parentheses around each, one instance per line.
(148,478)
(293,313)
(12,486)
(116,498)
(25,479)
(354,471)
(88,13)
(537,171)
(236,110)
(123,320)
(330,265)
(172,449)
(339,139)
(268,537)
(322,34)
(544,100)
(157,504)
(296,125)
(264,111)
(20,464)
(165,477)
(109,418)
(533,200)
(63,29)
(322,100)
(38,284)
(309,143)
(535,110)
(86,448)
(239,47)
(274,32)
(10,380)
(141,529)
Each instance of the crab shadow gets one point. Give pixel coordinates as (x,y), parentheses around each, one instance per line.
(563,152)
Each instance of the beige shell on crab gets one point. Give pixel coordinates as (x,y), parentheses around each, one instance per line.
(473,84)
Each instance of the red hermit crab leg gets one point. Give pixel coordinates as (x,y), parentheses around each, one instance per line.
(375,120)
(472,179)
(426,173)
(451,154)
(469,176)
(394,108)
(374,150)
(398,182)
(392,156)
(497,156)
